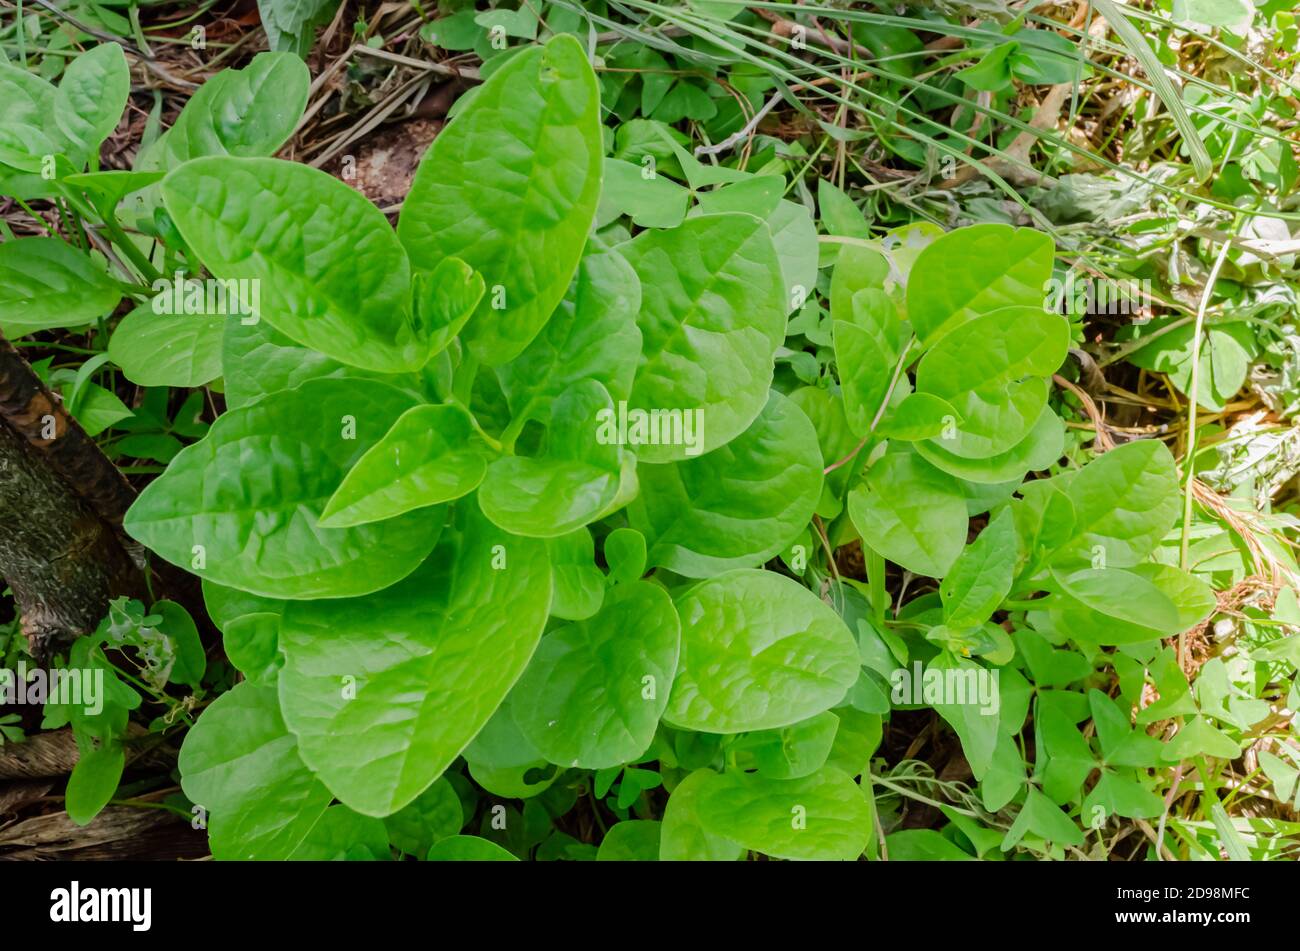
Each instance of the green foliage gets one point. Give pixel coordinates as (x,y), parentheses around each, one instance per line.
(544,501)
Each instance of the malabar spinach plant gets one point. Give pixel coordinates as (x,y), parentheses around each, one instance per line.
(540,495)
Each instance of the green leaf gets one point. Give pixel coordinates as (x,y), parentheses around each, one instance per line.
(579,586)
(241,506)
(511,187)
(918,416)
(1112,606)
(190,660)
(94,779)
(911,513)
(160,349)
(923,845)
(683,837)
(759,651)
(992,69)
(737,506)
(625,555)
(1125,502)
(648,198)
(1041,817)
(712,316)
(331,273)
(256,359)
(432,454)
(248,113)
(632,840)
(46,284)
(982,574)
(591,336)
(1041,448)
(796,750)
(579,478)
(433,815)
(90,99)
(444,299)
(593,693)
(1199,737)
(428,661)
(242,766)
(993,370)
(973,271)
(468,848)
(867,348)
(839,213)
(823,816)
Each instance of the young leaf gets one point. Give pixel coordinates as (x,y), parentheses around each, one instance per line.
(432,454)
(578,479)
(90,99)
(982,574)
(511,187)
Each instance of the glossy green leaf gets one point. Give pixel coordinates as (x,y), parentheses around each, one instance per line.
(157,349)
(594,691)
(822,816)
(973,271)
(432,454)
(580,476)
(385,691)
(1125,502)
(468,848)
(241,507)
(591,336)
(45,283)
(982,574)
(91,96)
(682,836)
(711,319)
(331,273)
(759,651)
(736,506)
(911,513)
(242,766)
(511,187)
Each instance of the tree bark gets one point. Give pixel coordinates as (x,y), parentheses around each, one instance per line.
(61,506)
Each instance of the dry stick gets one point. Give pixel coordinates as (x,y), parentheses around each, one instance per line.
(1192,396)
(735,137)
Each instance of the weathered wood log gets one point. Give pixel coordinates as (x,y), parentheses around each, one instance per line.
(61,505)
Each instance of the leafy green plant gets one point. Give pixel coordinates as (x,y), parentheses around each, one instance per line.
(540,505)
